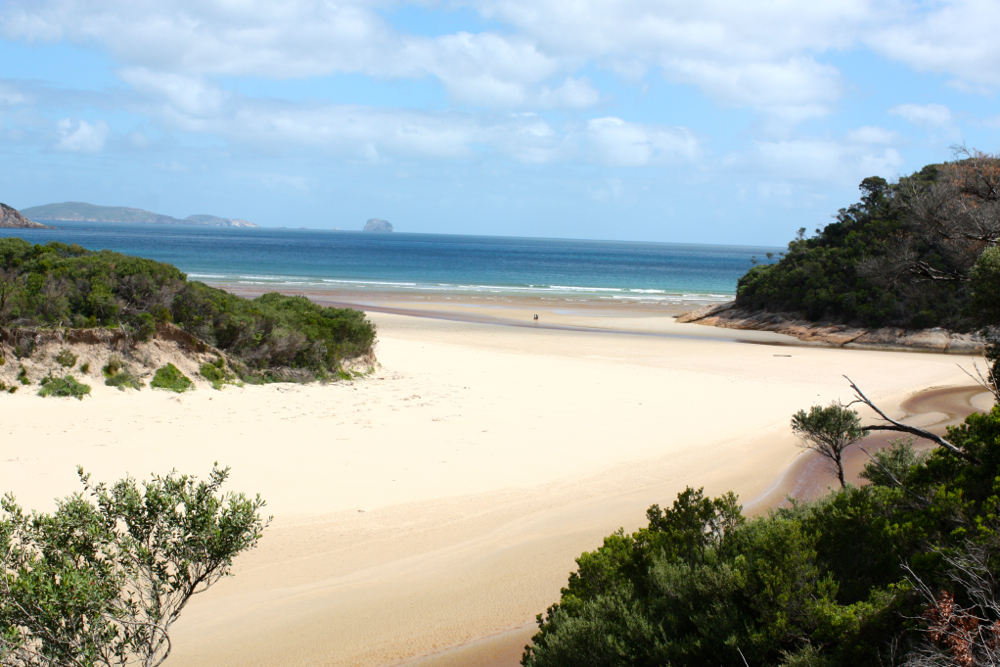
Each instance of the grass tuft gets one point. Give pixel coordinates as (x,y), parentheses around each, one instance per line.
(125,380)
(66,358)
(115,364)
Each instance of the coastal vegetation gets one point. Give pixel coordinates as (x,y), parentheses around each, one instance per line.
(272,337)
(170,377)
(897,572)
(906,255)
(100,581)
(65,386)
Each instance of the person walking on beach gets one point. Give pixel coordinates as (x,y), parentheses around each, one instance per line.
(536,317)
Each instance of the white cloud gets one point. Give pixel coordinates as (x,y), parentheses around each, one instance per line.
(744,55)
(617,143)
(79,136)
(377,134)
(872,135)
(953,37)
(934,116)
(821,160)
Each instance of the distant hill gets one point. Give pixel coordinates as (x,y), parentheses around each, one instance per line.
(10,218)
(81,212)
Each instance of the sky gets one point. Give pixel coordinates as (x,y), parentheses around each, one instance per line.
(720,121)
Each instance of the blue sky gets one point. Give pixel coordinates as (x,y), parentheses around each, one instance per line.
(723,121)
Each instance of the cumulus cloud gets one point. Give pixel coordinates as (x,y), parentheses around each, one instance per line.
(827,160)
(952,37)
(617,143)
(299,39)
(79,136)
(872,135)
(934,116)
(759,56)
(377,134)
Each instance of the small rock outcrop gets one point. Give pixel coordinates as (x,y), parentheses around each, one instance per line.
(10,218)
(728,316)
(377,225)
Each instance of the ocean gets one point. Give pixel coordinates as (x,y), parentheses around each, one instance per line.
(428,265)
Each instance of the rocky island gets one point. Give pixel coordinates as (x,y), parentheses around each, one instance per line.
(83,212)
(10,218)
(378,225)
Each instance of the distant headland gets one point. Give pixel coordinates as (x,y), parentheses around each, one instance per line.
(10,218)
(82,212)
(377,225)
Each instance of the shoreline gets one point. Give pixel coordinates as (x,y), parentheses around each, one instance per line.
(428,512)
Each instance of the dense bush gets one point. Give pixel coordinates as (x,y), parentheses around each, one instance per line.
(814,584)
(171,378)
(876,265)
(65,285)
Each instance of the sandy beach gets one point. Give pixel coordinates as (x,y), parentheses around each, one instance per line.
(425,514)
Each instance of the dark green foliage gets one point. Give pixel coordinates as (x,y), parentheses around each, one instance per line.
(813,584)
(65,285)
(170,377)
(101,580)
(216,373)
(85,367)
(274,330)
(123,379)
(22,375)
(64,386)
(66,358)
(823,277)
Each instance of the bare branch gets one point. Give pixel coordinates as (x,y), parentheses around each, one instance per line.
(906,428)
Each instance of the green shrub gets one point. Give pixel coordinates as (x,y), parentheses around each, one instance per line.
(123,380)
(85,367)
(115,364)
(108,289)
(212,373)
(2,360)
(66,358)
(64,386)
(22,375)
(170,377)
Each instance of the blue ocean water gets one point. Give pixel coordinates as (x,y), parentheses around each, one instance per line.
(310,260)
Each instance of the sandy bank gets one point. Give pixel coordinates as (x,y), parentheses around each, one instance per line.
(443,499)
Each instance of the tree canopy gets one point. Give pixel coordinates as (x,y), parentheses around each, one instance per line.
(902,256)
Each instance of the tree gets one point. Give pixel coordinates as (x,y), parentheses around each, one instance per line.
(100,581)
(828,432)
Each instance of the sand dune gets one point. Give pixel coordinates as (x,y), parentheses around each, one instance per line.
(443,499)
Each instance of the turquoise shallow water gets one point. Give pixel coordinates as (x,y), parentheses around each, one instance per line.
(399,264)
